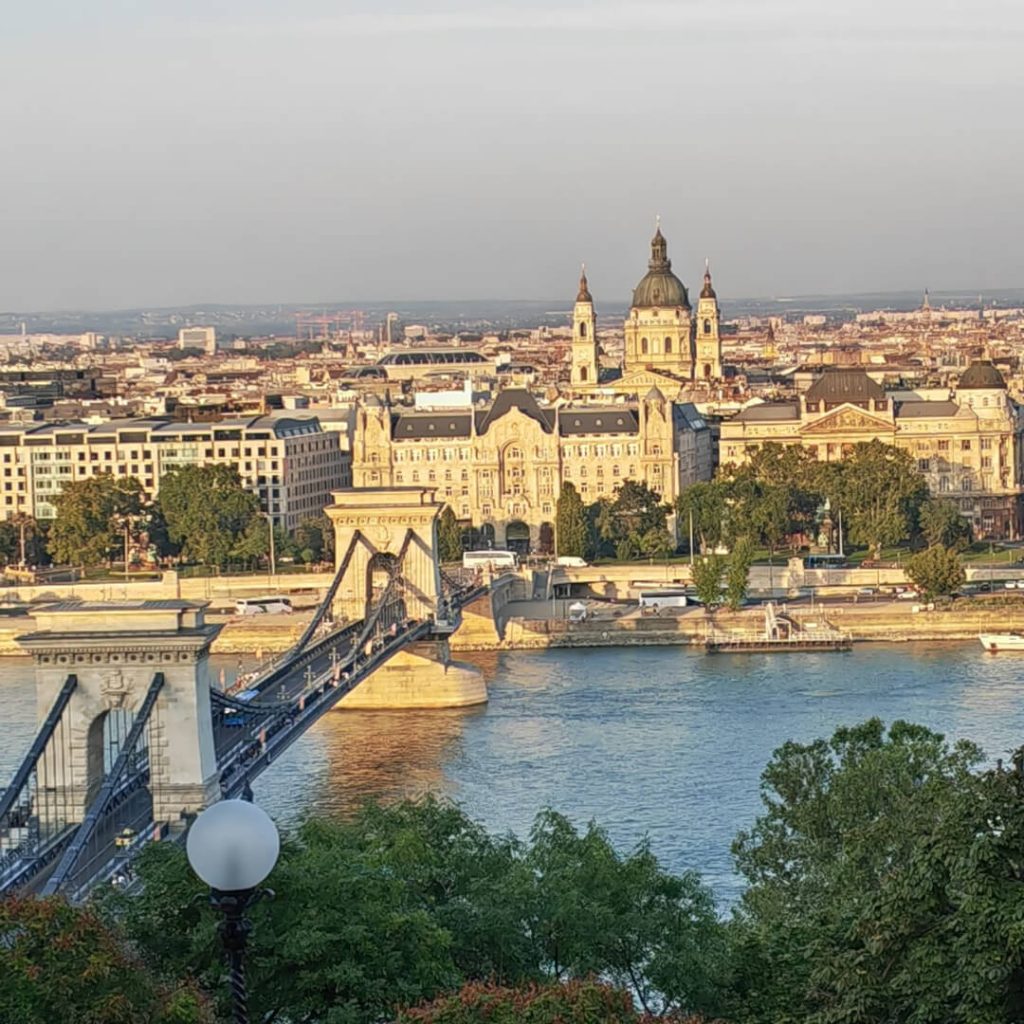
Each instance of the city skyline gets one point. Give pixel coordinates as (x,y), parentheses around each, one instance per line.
(242,154)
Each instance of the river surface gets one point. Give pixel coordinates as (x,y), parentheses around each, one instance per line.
(662,742)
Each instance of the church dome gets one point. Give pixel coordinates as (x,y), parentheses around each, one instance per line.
(659,287)
(981,375)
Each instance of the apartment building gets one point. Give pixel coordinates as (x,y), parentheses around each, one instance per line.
(291,463)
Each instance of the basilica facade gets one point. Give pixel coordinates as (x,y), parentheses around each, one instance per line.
(667,344)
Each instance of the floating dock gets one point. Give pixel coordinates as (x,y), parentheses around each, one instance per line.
(780,633)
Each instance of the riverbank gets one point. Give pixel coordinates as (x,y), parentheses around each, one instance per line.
(873,621)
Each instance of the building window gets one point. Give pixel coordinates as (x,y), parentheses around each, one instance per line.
(583,330)
(965,445)
(986,444)
(986,462)
(668,345)
(643,346)
(943,446)
(965,484)
(923,465)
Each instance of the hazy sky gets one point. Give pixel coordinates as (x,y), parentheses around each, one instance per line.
(307,150)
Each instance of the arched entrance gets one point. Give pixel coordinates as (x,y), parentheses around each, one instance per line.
(707,371)
(517,537)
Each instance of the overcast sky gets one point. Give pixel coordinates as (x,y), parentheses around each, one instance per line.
(327,150)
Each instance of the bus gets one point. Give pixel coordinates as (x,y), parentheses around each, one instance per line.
(825,562)
(263,606)
(489,559)
(655,599)
(236,716)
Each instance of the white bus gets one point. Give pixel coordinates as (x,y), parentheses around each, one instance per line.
(492,559)
(263,606)
(655,599)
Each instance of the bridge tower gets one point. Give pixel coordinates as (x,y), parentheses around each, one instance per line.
(116,650)
(388,530)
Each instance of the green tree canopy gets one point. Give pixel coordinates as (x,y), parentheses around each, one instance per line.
(405,902)
(707,574)
(936,571)
(941,523)
(209,514)
(879,491)
(884,884)
(87,525)
(737,575)
(706,503)
(572,530)
(315,535)
(62,963)
(449,536)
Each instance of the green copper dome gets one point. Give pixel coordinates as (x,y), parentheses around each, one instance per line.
(659,286)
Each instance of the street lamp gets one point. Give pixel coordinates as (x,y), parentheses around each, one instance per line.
(232,846)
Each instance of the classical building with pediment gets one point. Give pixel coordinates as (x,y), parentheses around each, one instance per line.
(501,467)
(967,441)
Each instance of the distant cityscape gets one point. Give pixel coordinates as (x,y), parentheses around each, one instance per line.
(497,405)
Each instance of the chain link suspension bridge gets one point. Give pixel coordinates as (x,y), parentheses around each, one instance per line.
(48,845)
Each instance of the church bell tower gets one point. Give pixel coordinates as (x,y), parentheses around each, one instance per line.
(584,337)
(709,343)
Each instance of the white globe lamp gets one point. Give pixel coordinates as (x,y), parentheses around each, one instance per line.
(233,845)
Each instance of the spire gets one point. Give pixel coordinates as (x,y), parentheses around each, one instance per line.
(584,292)
(659,249)
(707,292)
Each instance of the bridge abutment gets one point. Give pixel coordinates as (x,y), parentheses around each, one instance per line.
(422,675)
(115,650)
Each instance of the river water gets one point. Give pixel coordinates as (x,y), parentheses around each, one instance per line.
(664,742)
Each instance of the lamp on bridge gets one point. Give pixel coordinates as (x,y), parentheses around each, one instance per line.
(233,846)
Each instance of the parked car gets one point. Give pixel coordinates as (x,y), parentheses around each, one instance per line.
(865,591)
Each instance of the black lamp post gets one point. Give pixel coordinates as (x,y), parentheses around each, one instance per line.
(232,846)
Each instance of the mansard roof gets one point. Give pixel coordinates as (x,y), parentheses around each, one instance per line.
(837,385)
(769,412)
(418,426)
(515,398)
(615,420)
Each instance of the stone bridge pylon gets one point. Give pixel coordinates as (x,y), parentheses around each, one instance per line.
(423,674)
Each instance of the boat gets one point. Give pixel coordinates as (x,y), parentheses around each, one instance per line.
(995,642)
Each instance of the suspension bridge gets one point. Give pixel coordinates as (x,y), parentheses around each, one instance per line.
(134,739)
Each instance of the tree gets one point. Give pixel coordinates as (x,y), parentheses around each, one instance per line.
(449,536)
(941,523)
(706,503)
(638,509)
(86,528)
(884,884)
(738,573)
(588,1002)
(407,901)
(879,492)
(208,513)
(23,539)
(62,963)
(936,571)
(310,537)
(707,579)
(657,542)
(572,531)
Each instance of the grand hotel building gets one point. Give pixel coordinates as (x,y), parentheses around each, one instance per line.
(966,440)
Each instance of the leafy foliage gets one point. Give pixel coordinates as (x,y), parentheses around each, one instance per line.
(738,573)
(884,884)
(449,536)
(632,522)
(211,515)
(941,523)
(707,579)
(879,491)
(936,570)
(316,536)
(572,530)
(706,503)
(408,901)
(60,963)
(86,527)
(575,1002)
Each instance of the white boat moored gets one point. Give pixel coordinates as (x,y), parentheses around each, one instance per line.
(995,642)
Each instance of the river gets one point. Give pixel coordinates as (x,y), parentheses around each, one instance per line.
(663,742)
